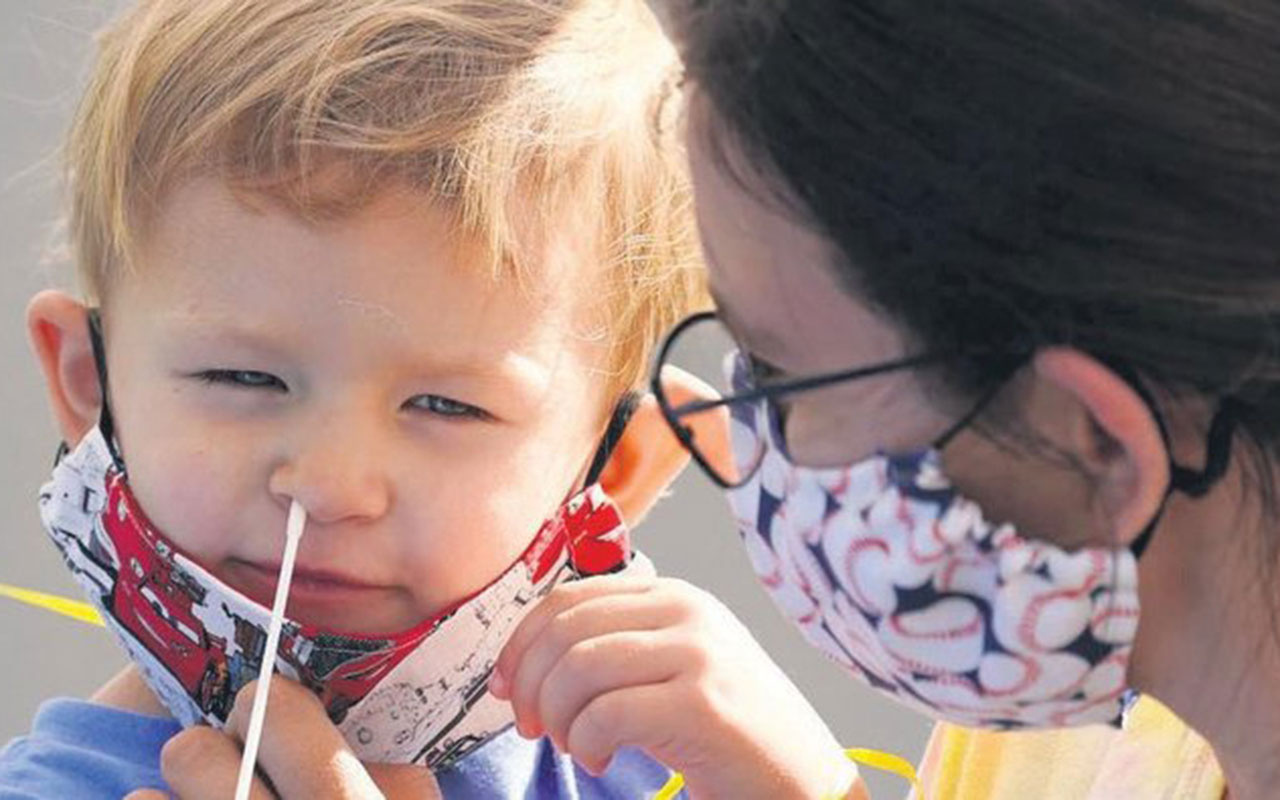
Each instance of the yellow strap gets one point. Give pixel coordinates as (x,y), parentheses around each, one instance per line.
(59,605)
(887,762)
(876,759)
(674,784)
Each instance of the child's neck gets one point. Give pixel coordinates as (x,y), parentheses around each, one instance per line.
(127,691)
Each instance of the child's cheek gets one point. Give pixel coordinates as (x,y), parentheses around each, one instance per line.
(196,494)
(465,538)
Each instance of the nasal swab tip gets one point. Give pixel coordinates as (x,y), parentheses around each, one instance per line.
(297,520)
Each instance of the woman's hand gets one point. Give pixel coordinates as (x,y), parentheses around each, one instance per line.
(302,755)
(657,664)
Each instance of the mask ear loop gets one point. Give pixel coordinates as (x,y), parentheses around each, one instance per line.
(1191,482)
(622,414)
(106,423)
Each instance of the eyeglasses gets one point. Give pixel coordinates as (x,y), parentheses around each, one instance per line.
(703,346)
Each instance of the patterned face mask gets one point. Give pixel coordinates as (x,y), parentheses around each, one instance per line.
(419,696)
(895,575)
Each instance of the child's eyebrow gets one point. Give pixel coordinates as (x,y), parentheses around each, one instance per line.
(520,375)
(514,384)
(514,372)
(221,329)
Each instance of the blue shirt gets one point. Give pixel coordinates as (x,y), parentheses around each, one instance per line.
(82,750)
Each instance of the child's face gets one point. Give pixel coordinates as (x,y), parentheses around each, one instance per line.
(427,417)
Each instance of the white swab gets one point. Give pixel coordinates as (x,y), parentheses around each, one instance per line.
(292,534)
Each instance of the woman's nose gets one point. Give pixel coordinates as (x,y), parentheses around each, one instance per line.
(336,472)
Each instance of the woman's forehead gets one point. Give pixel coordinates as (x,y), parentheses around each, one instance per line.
(774,277)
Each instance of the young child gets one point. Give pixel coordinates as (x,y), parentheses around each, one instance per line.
(402,262)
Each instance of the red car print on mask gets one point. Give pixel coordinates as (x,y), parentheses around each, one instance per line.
(154,600)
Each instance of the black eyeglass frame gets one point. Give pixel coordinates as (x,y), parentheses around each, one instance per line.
(684,434)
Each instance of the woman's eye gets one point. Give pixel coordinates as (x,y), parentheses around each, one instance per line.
(445,407)
(242,378)
(762,372)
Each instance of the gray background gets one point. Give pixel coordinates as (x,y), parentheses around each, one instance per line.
(44,50)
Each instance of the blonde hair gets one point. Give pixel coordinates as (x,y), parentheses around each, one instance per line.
(561,103)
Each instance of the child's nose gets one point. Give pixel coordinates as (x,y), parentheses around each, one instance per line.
(335,476)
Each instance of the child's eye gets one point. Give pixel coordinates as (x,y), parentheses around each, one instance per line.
(445,407)
(242,378)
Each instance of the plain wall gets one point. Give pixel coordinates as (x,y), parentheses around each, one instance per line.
(44,52)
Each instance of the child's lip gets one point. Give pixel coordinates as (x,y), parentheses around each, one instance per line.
(318,577)
(314,594)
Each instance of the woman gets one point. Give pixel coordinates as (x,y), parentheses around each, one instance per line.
(1005,280)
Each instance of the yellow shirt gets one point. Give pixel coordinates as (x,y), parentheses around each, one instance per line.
(1155,757)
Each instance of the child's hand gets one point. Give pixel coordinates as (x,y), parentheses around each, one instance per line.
(655,663)
(301,753)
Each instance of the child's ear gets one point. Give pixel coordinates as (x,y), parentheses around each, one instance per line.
(58,327)
(648,457)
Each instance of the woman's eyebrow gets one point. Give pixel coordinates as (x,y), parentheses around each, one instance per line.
(752,339)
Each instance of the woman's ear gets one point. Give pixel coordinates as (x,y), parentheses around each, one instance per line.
(1117,440)
(58,327)
(648,457)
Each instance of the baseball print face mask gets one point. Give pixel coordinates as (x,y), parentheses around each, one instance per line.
(418,696)
(890,571)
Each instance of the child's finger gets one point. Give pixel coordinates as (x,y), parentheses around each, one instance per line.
(561,598)
(593,617)
(604,664)
(301,751)
(148,794)
(202,763)
(639,716)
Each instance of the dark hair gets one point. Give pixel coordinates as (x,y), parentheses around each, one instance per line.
(1087,172)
